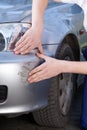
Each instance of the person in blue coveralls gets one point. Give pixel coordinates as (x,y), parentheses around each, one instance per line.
(32,39)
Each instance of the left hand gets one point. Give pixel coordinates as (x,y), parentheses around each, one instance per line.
(29,41)
(50,68)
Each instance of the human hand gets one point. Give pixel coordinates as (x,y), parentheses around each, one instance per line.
(29,41)
(50,68)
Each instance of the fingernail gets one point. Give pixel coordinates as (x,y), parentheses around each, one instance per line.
(15,49)
(22,53)
(16,52)
(29,74)
(29,79)
(16,44)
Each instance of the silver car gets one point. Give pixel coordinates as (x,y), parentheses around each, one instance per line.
(48,100)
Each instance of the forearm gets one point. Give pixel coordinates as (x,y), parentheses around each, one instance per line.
(38,9)
(74,67)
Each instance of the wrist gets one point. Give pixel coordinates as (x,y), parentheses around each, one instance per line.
(68,67)
(65,66)
(38,23)
(38,27)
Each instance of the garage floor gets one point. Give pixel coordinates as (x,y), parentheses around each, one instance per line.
(26,122)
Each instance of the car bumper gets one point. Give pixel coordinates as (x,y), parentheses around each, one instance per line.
(20,95)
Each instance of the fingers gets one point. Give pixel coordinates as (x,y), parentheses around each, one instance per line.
(26,46)
(23,38)
(28,42)
(27,50)
(41,56)
(38,73)
(37,69)
(41,49)
(36,77)
(23,46)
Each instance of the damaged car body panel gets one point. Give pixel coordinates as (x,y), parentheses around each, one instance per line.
(60,15)
(20,95)
(62,24)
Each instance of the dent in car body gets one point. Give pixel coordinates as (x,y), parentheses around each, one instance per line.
(14,69)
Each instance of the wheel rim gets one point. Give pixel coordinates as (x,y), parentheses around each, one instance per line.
(65,91)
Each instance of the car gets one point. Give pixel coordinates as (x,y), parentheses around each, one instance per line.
(49,100)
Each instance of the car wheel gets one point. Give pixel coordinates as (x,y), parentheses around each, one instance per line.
(60,95)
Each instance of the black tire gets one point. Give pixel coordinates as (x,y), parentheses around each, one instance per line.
(52,115)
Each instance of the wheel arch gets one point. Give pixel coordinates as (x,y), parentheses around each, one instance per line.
(72,40)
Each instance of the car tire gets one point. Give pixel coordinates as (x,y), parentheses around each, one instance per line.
(61,92)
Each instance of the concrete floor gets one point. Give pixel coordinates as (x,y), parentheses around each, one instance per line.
(26,122)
